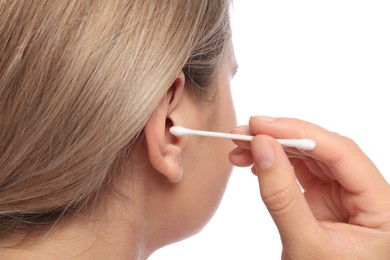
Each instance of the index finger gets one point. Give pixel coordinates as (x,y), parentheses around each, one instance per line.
(350,166)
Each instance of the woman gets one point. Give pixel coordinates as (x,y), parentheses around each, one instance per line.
(89,90)
(89,169)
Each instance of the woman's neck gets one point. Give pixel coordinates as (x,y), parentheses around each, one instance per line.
(118,233)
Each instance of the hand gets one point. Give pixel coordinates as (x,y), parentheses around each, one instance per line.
(344,211)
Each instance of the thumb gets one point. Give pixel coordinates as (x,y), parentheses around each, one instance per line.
(281,193)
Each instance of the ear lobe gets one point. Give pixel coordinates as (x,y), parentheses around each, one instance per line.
(164,153)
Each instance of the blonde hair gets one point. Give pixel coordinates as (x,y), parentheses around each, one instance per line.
(78,81)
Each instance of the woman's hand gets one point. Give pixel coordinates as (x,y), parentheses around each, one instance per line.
(344,211)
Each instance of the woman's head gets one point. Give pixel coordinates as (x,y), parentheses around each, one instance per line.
(79,81)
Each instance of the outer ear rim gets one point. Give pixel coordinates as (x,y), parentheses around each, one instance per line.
(164,156)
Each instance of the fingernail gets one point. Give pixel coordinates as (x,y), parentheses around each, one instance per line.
(264,118)
(263,153)
(241,128)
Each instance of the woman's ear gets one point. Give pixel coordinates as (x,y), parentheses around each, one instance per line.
(164,150)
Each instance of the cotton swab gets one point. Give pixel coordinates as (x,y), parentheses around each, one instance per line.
(303,144)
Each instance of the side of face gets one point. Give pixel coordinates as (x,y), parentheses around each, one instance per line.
(185,204)
(206,166)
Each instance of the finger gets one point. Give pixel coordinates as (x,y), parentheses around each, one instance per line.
(350,166)
(241,157)
(280,191)
(304,175)
(305,165)
(242,130)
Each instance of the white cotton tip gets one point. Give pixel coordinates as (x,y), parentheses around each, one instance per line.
(179,130)
(302,144)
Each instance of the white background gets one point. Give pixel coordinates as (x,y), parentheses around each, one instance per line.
(327,62)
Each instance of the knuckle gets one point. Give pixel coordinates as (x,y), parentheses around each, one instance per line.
(349,144)
(278,201)
(348,141)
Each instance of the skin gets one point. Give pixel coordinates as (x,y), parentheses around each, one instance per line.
(157,202)
(344,212)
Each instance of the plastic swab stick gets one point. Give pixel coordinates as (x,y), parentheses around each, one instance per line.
(303,144)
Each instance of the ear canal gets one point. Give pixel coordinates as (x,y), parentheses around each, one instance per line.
(172,138)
